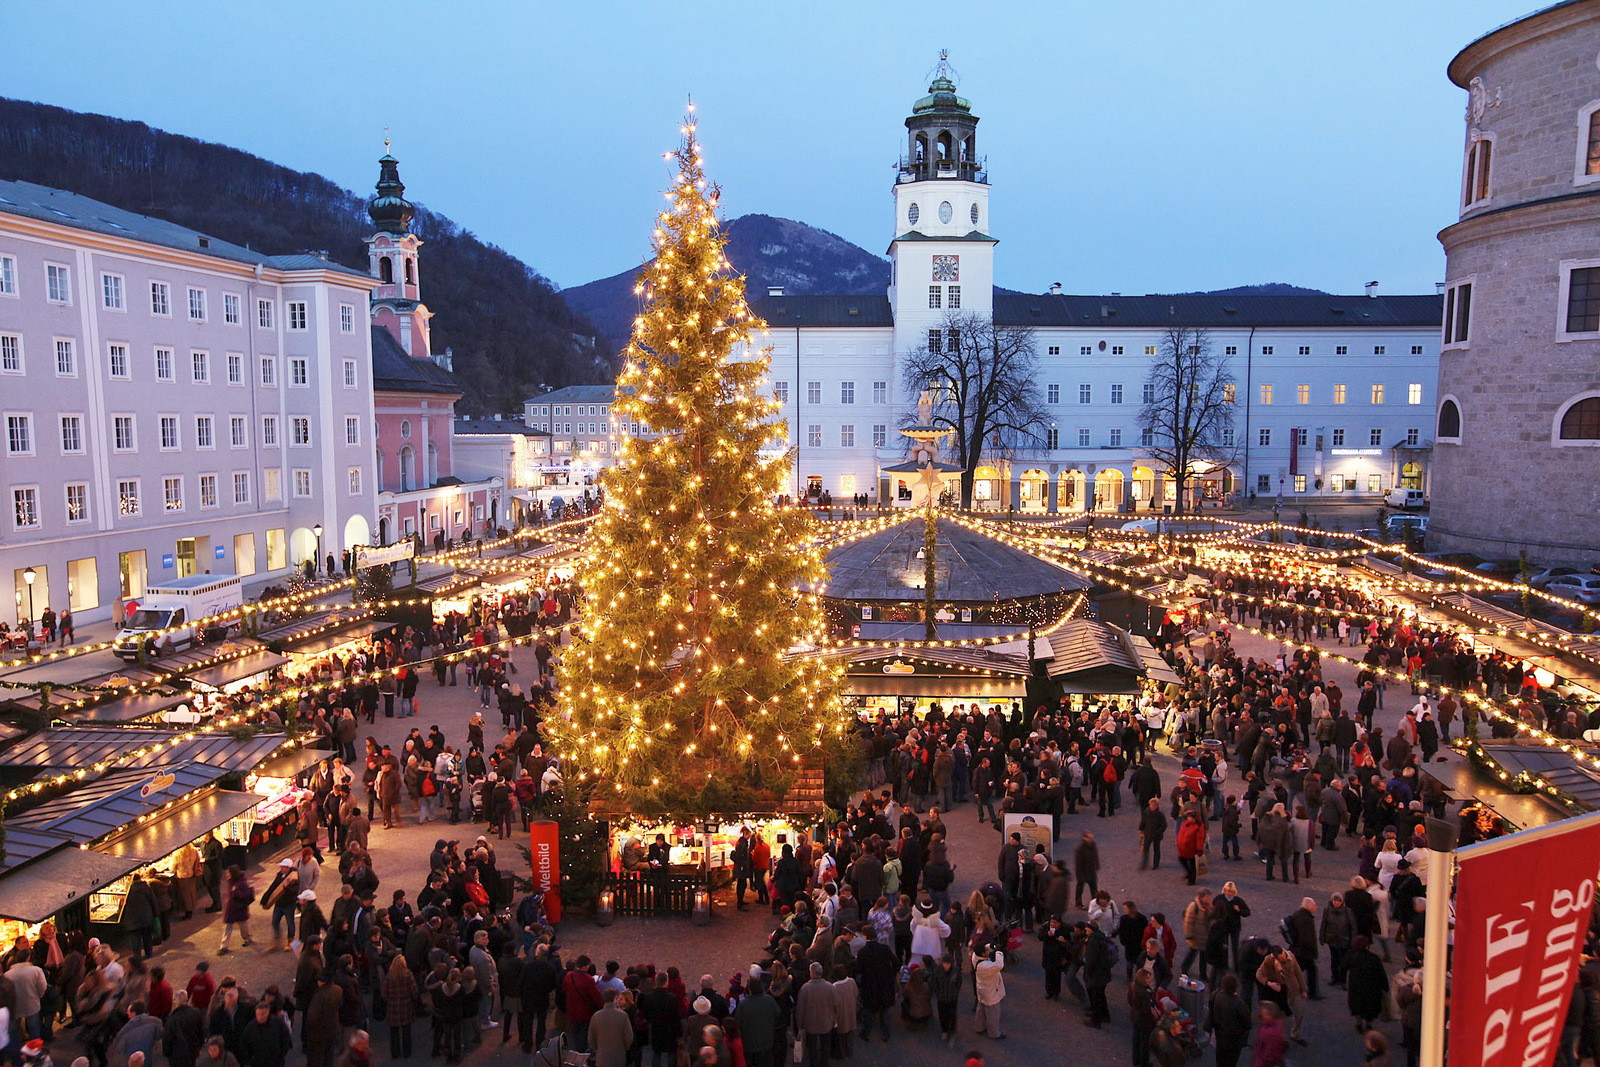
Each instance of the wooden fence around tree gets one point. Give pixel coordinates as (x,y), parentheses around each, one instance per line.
(654,892)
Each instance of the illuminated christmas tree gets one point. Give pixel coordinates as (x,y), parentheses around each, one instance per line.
(680,691)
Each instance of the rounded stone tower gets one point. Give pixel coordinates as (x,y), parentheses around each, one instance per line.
(1517,437)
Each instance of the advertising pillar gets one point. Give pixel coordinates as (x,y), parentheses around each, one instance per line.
(544,847)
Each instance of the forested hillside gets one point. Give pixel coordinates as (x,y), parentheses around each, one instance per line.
(510,328)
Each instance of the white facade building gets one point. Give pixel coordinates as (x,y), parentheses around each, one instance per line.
(174,404)
(1335,393)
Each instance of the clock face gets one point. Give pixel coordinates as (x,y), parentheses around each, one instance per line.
(913,213)
(947,268)
(946,211)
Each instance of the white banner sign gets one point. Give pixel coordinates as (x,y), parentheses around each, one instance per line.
(373,557)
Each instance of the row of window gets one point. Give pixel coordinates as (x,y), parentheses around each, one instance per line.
(543,410)
(948,296)
(1337,483)
(1477,169)
(847,392)
(114,297)
(125,437)
(164,362)
(25,501)
(1576,423)
(1114,436)
(1228,350)
(630,428)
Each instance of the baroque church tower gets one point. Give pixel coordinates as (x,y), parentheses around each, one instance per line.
(392,259)
(942,257)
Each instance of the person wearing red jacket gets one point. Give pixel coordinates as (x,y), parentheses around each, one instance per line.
(581,999)
(1191,844)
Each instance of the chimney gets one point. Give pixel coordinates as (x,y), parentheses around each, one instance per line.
(774,290)
(1372,289)
(1055,288)
(1438,288)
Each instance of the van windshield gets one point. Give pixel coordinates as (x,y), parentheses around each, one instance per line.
(147,619)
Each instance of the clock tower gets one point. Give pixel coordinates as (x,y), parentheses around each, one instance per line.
(942,257)
(392,253)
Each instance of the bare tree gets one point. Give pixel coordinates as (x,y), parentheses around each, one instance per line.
(1188,417)
(983,382)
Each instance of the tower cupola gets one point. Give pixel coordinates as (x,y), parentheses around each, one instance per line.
(942,133)
(389,209)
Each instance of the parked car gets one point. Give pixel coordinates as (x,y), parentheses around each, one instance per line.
(1541,578)
(1584,588)
(1505,570)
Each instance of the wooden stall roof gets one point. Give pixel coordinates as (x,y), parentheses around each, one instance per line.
(38,889)
(79,746)
(107,805)
(162,836)
(237,669)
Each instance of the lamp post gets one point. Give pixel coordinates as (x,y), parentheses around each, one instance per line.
(28,576)
(317,529)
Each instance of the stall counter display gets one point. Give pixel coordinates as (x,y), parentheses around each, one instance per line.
(687,843)
(105,905)
(283,797)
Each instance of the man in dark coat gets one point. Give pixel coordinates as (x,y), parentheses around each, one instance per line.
(183,1031)
(877,972)
(760,1017)
(1229,1021)
(1098,959)
(660,1011)
(536,984)
(265,1040)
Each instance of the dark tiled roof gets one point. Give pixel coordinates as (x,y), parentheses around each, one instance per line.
(1217,310)
(578,394)
(914,235)
(972,568)
(487,426)
(780,311)
(70,209)
(395,371)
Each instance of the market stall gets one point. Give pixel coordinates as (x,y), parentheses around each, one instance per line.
(236,674)
(147,709)
(280,781)
(910,679)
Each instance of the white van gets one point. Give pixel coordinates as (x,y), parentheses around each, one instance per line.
(1405,498)
(174,606)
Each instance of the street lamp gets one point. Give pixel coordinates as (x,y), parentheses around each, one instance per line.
(28,576)
(317,529)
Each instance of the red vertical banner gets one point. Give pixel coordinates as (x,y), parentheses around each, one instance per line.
(544,847)
(1518,940)
(1294,451)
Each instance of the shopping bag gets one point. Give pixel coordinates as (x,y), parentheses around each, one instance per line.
(800,1047)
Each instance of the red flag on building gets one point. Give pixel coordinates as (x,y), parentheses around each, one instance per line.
(1522,910)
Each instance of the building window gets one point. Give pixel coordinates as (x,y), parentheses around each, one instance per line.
(1054,350)
(297,314)
(66,359)
(935,296)
(264,314)
(1449,424)
(172,494)
(71,434)
(814,435)
(847,392)
(1266,350)
(128,496)
(10,353)
(123,438)
(1266,394)
(231,312)
(164,370)
(269,431)
(1052,438)
(847,435)
(880,392)
(235,369)
(1338,439)
(1379,350)
(347,318)
(350,375)
(1148,393)
(299,372)
(1457,314)
(1230,393)
(1263,483)
(354,475)
(204,436)
(302,483)
(197,305)
(405,428)
(208,490)
(19,435)
(1265,437)
(241,487)
(300,429)
(880,434)
(1414,393)
(1147,438)
(1227,437)
(780,392)
(1475,183)
(237,432)
(1377,394)
(200,366)
(1149,350)
(1300,436)
(813,392)
(1116,438)
(1052,394)
(1339,394)
(1299,483)
(1231,350)
(1375,438)
(169,433)
(269,372)
(272,484)
(111,294)
(935,340)
(1083,438)
(25,507)
(78,502)
(1580,420)
(954,295)
(1116,394)
(1085,350)
(1085,394)
(352,430)
(1341,350)
(1413,435)
(8,276)
(58,283)
(160,299)
(1581,315)
(1302,394)
(1305,350)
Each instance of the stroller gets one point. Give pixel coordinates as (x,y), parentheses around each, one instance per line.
(557,1053)
(1190,1033)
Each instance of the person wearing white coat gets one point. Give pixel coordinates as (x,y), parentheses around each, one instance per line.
(928,932)
(991,985)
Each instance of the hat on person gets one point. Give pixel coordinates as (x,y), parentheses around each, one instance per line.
(33,1049)
(286,862)
(701,1005)
(307,896)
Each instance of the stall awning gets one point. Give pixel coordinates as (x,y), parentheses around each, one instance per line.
(130,709)
(1155,668)
(23,844)
(74,747)
(292,762)
(501,581)
(238,670)
(222,752)
(325,642)
(105,806)
(945,688)
(34,892)
(161,837)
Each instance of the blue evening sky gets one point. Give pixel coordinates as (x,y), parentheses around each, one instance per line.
(1134,147)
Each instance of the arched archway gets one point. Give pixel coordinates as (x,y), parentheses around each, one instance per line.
(302,545)
(383,529)
(433,463)
(385,270)
(357,531)
(988,488)
(1035,490)
(408,469)
(1108,490)
(1411,475)
(1144,487)
(946,146)
(411,273)
(1070,491)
